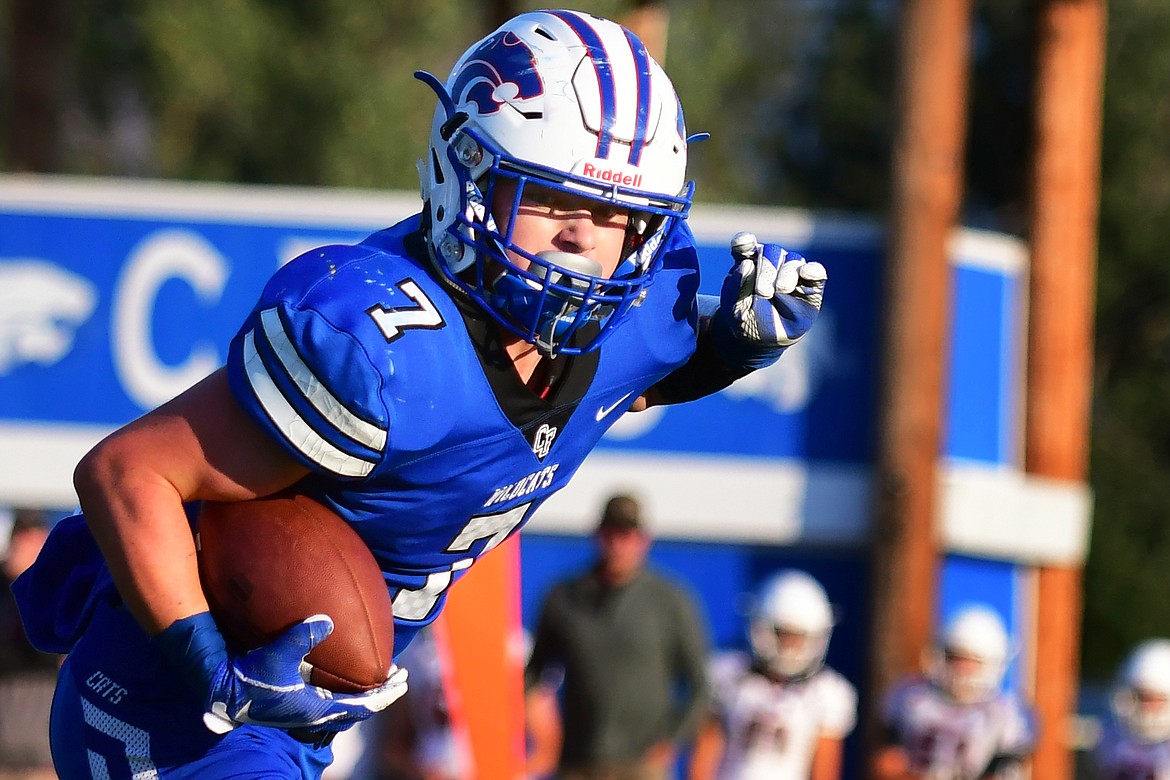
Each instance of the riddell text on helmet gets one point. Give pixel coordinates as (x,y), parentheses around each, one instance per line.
(613,176)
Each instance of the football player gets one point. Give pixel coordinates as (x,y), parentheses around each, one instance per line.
(956,723)
(433,385)
(1136,743)
(780,714)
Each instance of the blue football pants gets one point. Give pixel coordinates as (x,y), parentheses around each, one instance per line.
(119,712)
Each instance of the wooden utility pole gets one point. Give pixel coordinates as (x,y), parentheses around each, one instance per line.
(39,37)
(927,185)
(1065,194)
(498,11)
(649,20)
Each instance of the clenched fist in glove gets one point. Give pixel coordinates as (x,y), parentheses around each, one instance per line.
(267,686)
(769,300)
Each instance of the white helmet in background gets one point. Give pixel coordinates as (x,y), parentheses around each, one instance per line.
(1141,699)
(971,655)
(790,625)
(571,103)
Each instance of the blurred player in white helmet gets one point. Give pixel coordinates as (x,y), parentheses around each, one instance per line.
(956,722)
(780,714)
(1136,745)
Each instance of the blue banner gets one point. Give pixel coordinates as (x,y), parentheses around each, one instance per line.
(119,295)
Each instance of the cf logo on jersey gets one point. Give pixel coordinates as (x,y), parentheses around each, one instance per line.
(542,442)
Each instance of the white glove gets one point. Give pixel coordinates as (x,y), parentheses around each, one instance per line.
(268,687)
(771,296)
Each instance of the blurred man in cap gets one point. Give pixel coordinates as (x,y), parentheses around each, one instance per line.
(623,540)
(633,651)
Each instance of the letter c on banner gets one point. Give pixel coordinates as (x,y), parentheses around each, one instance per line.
(162,256)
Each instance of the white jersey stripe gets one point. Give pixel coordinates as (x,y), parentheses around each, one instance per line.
(312,388)
(134,740)
(97,766)
(291,425)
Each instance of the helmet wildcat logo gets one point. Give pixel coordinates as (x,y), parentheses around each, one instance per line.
(481,80)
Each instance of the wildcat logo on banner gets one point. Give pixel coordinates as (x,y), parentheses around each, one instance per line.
(41,308)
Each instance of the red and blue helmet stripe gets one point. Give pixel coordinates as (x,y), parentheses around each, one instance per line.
(607,88)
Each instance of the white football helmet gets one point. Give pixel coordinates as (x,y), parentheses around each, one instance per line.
(573,103)
(971,655)
(790,625)
(1141,699)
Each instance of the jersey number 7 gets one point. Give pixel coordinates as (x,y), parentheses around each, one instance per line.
(417,604)
(392,322)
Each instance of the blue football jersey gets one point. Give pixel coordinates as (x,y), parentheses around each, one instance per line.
(418,431)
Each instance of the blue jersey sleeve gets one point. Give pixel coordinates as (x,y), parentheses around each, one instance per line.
(299,367)
(58,595)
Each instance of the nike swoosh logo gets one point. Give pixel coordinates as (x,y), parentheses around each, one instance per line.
(604,411)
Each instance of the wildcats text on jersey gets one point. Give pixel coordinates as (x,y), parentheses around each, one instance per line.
(537,480)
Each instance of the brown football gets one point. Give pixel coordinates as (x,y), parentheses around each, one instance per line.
(269,563)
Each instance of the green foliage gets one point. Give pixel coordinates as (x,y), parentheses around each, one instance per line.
(322,93)
(1125,578)
(299,92)
(833,146)
(999,128)
(734,67)
(304,92)
(5,89)
(1125,575)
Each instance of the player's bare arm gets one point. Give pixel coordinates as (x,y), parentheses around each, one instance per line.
(133,484)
